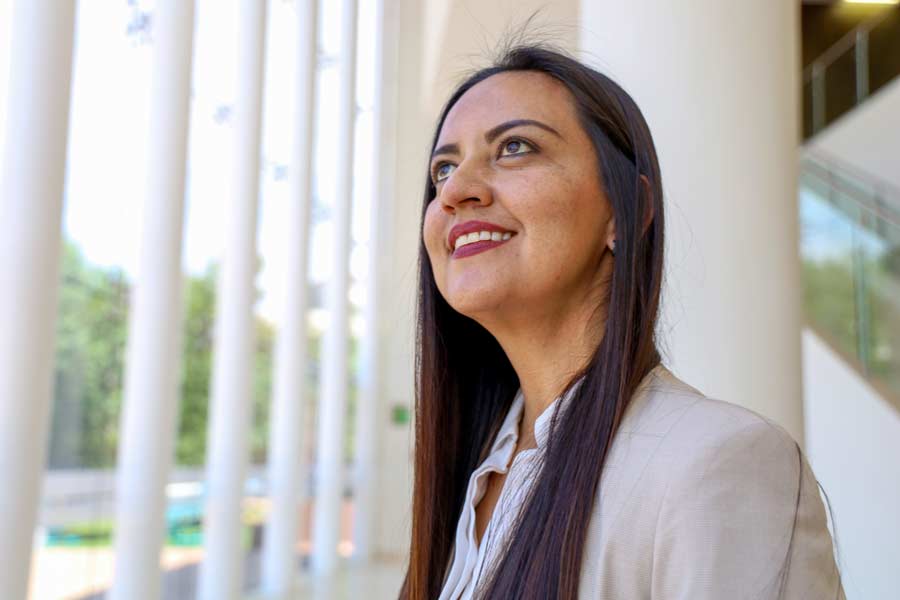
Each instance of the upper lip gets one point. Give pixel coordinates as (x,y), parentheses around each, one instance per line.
(471,226)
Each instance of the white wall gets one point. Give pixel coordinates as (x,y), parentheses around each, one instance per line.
(853,446)
(868,137)
(397,218)
(461,35)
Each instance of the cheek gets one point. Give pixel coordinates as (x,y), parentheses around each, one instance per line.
(555,209)
(566,221)
(433,227)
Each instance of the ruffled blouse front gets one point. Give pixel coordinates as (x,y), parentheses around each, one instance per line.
(470,559)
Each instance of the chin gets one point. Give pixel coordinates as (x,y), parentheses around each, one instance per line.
(475,304)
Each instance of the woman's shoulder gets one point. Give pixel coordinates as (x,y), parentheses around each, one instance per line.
(692,441)
(732,496)
(667,407)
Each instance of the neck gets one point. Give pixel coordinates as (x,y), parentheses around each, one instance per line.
(547,351)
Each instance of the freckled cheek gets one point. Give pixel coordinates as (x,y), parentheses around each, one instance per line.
(436,257)
(556,223)
(544,216)
(432,233)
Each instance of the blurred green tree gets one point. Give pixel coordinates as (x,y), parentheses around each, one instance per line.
(91,339)
(91,332)
(830,302)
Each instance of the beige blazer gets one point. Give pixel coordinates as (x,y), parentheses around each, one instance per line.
(697,501)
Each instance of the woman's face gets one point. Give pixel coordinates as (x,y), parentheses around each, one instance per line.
(512,160)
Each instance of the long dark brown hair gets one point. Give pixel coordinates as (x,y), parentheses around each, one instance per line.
(465,383)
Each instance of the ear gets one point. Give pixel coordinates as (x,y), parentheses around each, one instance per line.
(611,234)
(648,192)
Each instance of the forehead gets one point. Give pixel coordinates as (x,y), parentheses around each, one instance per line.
(510,95)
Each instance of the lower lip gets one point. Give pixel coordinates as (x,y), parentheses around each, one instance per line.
(476,247)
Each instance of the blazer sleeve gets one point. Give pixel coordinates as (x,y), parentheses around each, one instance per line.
(743,519)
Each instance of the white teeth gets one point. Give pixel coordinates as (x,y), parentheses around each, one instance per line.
(477,236)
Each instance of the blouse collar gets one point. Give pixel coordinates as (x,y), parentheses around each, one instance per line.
(509,429)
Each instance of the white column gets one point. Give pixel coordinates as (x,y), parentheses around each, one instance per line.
(287,472)
(31,199)
(335,349)
(231,394)
(399,212)
(717,82)
(370,414)
(151,373)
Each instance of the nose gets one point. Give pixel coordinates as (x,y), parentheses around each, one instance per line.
(464,187)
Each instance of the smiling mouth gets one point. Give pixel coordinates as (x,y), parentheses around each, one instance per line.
(467,245)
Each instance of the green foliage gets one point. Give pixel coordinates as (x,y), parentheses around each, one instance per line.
(831,302)
(91,336)
(828,297)
(890,261)
(262,391)
(91,333)
(197,343)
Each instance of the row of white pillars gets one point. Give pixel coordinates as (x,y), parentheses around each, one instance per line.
(148,422)
(287,471)
(31,209)
(231,391)
(31,200)
(335,347)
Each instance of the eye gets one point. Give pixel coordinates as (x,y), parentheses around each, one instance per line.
(515,147)
(442,171)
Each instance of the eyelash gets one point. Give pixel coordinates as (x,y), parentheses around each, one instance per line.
(503,145)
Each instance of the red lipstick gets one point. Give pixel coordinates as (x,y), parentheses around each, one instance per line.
(475,247)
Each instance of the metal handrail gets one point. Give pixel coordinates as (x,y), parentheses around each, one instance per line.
(886,199)
(873,181)
(870,198)
(814,74)
(837,49)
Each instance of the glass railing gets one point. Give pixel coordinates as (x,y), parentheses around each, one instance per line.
(850,249)
(851,70)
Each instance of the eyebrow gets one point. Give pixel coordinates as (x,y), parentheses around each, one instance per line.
(494,132)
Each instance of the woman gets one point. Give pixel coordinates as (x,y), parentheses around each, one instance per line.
(556,457)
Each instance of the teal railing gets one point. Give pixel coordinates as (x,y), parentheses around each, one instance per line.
(851,70)
(850,250)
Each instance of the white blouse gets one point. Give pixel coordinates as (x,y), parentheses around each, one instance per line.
(469,558)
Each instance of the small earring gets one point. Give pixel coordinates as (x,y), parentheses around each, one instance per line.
(613,250)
